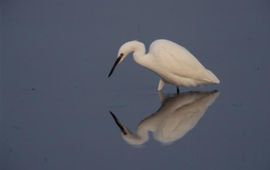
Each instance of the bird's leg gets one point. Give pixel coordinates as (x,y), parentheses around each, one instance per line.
(162,97)
(177,90)
(160,85)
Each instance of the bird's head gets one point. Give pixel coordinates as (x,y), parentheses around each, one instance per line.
(127,135)
(125,50)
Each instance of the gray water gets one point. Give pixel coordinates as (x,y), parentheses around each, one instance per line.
(56,96)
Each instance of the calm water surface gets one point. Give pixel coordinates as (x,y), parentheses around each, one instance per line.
(56,97)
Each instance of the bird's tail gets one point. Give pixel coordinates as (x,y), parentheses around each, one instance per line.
(212,78)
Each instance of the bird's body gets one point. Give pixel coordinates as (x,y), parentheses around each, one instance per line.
(173,63)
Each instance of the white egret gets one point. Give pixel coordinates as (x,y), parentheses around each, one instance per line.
(173,63)
(176,116)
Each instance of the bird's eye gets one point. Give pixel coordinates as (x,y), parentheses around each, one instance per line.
(121,54)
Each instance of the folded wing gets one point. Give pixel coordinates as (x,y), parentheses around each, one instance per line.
(179,61)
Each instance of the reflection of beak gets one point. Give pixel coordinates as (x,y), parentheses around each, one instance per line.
(121,127)
(114,65)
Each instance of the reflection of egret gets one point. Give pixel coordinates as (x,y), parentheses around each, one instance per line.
(173,63)
(176,116)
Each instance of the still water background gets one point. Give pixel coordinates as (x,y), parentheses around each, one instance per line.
(55,94)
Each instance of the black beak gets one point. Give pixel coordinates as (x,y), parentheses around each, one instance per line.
(114,65)
(121,127)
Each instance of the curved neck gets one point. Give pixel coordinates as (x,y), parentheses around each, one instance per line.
(139,49)
(135,47)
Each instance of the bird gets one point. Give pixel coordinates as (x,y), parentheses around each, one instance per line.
(177,115)
(173,63)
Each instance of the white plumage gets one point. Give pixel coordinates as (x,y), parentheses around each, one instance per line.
(173,63)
